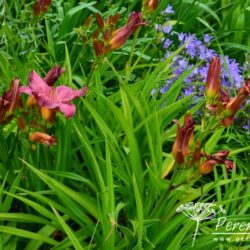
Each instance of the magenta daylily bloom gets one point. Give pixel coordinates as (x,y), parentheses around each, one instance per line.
(52,97)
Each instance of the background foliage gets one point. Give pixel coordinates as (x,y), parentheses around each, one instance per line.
(102,185)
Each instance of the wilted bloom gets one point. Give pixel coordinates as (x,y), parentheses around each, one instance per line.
(229,165)
(43,138)
(9,101)
(213,81)
(211,160)
(120,36)
(41,6)
(184,138)
(52,97)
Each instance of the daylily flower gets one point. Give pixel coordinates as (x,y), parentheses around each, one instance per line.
(43,138)
(50,78)
(184,138)
(234,104)
(120,36)
(52,97)
(41,6)
(9,101)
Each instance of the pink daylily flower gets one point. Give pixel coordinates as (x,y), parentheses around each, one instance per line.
(52,97)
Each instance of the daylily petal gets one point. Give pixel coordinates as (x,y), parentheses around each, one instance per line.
(38,85)
(67,109)
(25,89)
(66,94)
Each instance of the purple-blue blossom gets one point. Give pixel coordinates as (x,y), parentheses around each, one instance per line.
(207,38)
(167,43)
(181,36)
(153,91)
(158,27)
(167,29)
(188,91)
(195,50)
(169,10)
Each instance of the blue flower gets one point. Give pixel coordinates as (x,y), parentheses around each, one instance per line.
(188,91)
(181,36)
(167,29)
(207,38)
(167,43)
(158,27)
(169,10)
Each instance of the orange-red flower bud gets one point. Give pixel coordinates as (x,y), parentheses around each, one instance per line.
(213,81)
(87,22)
(99,48)
(53,74)
(197,154)
(112,20)
(120,36)
(13,95)
(184,138)
(41,6)
(9,101)
(99,20)
(43,138)
(151,5)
